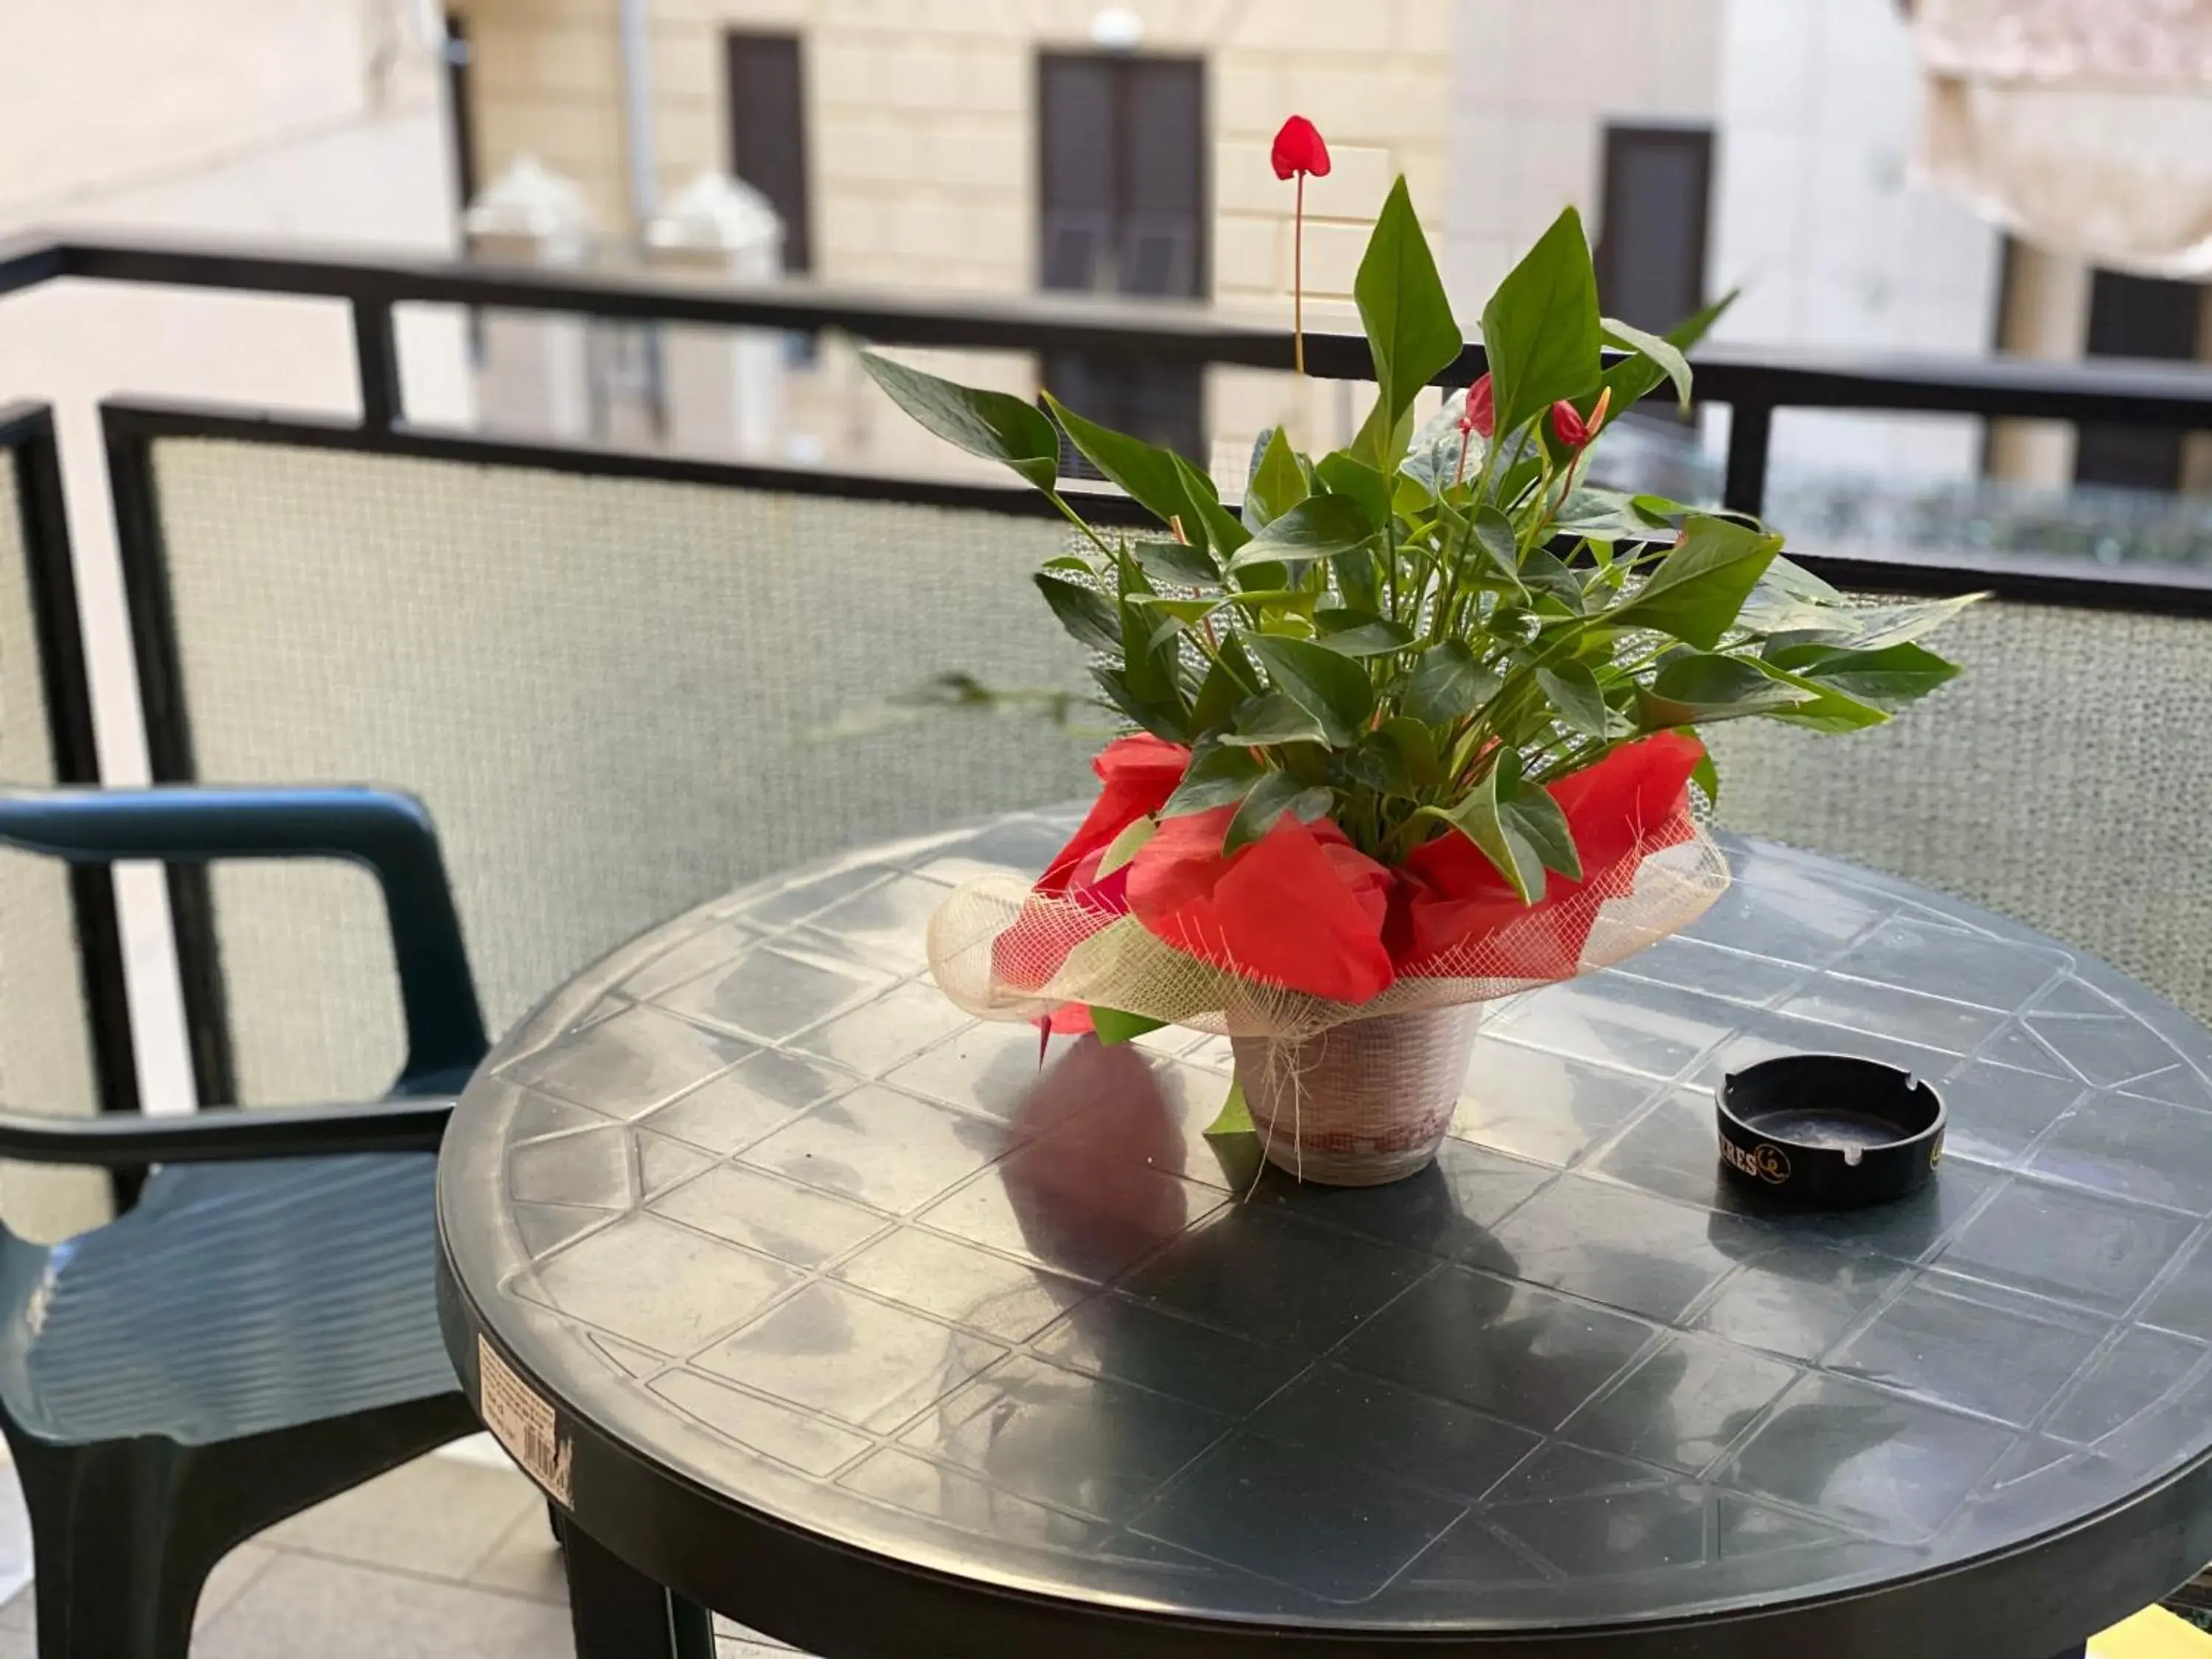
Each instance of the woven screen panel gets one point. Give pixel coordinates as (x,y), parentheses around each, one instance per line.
(2063,779)
(46,1051)
(609,692)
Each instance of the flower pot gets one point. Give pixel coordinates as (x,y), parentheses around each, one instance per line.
(1365,1103)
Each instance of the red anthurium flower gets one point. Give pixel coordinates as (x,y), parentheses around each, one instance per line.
(1299,151)
(1481,415)
(1571,429)
(1299,148)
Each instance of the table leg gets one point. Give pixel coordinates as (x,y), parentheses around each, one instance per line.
(618,1613)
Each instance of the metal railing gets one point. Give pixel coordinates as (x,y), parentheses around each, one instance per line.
(1754,383)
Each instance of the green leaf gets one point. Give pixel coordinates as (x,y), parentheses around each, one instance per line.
(1278,482)
(1359,575)
(1543,571)
(1540,329)
(1217,776)
(1274,795)
(1402,306)
(1798,618)
(1447,684)
(1333,688)
(1707,777)
(1162,720)
(1376,762)
(1701,584)
(1084,611)
(1500,837)
(1664,353)
(1147,663)
(1572,690)
(1209,521)
(1417,748)
(1313,529)
(1265,601)
(1361,633)
(1607,515)
(1634,379)
(1492,532)
(1272,717)
(1235,1117)
(995,425)
(1822,708)
(1380,442)
(1145,470)
(1357,482)
(1176,561)
(1876,626)
(1702,686)
(1218,694)
(1113,1026)
(1126,846)
(1894,674)
(1532,815)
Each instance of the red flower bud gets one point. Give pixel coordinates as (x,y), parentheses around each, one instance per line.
(1572,431)
(1481,415)
(1299,148)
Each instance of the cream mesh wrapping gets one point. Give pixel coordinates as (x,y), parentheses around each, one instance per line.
(1001,950)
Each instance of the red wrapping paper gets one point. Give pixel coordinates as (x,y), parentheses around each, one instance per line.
(1304,909)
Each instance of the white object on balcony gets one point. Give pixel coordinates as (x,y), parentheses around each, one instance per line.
(534,373)
(723,387)
(2085,126)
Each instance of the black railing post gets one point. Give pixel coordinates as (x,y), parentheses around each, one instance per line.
(377,354)
(1750,427)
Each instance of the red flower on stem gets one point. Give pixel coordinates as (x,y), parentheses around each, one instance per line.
(1298,150)
(1480,416)
(1573,432)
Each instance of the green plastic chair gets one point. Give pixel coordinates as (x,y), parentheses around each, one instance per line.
(260,1331)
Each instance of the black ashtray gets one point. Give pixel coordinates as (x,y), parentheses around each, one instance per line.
(1830,1132)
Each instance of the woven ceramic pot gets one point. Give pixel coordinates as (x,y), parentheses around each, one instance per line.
(1365,1103)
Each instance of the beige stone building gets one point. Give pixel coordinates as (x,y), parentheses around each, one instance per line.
(923,144)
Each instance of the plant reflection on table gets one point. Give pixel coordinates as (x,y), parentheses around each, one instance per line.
(1094,1186)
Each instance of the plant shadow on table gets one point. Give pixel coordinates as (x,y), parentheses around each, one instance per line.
(1226,1307)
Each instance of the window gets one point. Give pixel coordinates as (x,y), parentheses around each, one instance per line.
(1651,224)
(2136,317)
(1121,209)
(767,133)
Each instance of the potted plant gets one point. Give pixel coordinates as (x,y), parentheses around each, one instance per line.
(1412,725)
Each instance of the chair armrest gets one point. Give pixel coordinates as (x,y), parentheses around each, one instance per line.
(388,832)
(126,1139)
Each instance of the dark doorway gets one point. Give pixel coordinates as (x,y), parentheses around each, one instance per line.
(1122,209)
(1656,200)
(767,133)
(2136,317)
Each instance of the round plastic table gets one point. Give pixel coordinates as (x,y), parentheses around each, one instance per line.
(813,1301)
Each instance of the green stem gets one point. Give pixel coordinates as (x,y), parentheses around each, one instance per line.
(1076,518)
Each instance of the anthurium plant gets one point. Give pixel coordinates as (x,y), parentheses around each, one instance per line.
(1420,638)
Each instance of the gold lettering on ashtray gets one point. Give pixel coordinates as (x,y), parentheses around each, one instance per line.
(1767,1161)
(1934,1152)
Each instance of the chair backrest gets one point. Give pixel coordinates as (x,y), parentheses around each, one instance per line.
(614,693)
(47,1057)
(2065,779)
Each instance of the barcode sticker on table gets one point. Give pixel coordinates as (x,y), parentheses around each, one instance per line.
(523,1422)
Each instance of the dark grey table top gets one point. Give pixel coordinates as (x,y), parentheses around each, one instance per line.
(752,1199)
